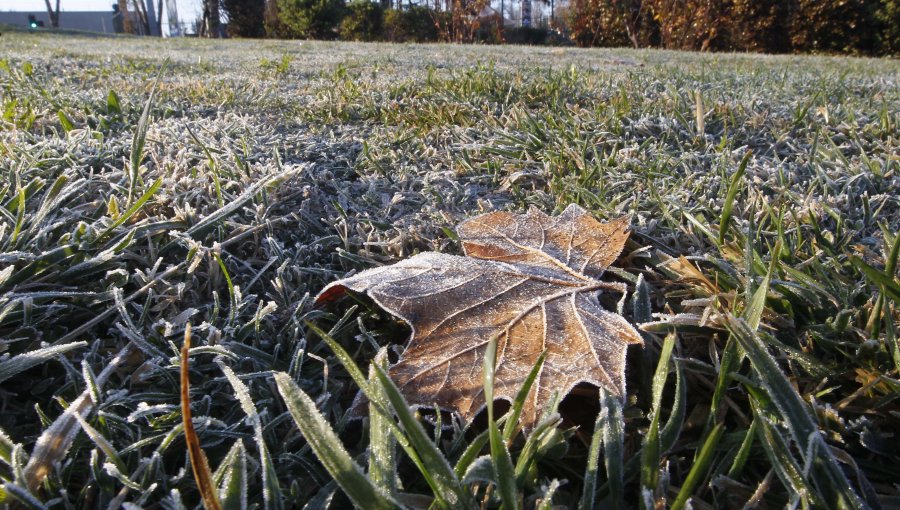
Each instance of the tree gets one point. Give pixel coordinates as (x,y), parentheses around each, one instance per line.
(462,21)
(274,27)
(889,36)
(127,27)
(414,24)
(843,26)
(210,25)
(595,23)
(364,21)
(245,17)
(311,19)
(157,22)
(698,25)
(634,16)
(143,20)
(53,14)
(760,25)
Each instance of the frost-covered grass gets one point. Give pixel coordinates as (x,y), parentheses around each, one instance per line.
(271,168)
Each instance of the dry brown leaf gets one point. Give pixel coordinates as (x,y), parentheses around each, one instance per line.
(530,280)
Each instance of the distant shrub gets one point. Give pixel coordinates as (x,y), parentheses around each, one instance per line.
(489,30)
(392,25)
(770,26)
(525,35)
(698,25)
(275,28)
(364,21)
(416,24)
(888,16)
(311,19)
(759,26)
(844,26)
(595,23)
(245,17)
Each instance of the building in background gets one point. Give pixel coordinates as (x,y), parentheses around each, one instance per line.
(92,21)
(107,22)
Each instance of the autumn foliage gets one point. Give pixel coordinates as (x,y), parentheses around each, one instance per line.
(774,26)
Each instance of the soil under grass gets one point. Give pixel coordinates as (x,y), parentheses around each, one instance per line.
(269,169)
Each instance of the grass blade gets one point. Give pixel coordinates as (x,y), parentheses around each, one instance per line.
(22,362)
(733,188)
(614,446)
(209,221)
(7,447)
(828,476)
(446,483)
(65,121)
(199,464)
(672,428)
(501,460)
(22,496)
(231,477)
(470,454)
(328,448)
(101,443)
(113,104)
(509,428)
(608,432)
(140,136)
(651,451)
(890,337)
(753,313)
(778,452)
(547,498)
(271,490)
(698,470)
(55,441)
(344,358)
(886,281)
(528,455)
(589,491)
(378,399)
(743,454)
(135,207)
(382,461)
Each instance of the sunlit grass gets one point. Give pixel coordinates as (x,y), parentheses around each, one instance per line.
(762,264)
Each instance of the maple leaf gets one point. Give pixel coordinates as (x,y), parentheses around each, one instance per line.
(531,281)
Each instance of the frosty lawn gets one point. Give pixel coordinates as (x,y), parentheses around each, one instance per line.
(272,168)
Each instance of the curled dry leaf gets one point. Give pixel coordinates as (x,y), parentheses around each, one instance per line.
(530,280)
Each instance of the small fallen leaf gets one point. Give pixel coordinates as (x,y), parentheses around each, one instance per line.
(529,280)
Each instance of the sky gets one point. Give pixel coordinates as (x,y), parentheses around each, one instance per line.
(188,10)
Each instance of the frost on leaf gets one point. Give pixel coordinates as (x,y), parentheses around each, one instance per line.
(530,280)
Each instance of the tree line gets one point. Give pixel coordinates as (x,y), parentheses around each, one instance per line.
(868,27)
(366,20)
(772,26)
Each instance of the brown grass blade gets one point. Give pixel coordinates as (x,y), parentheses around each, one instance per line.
(199,464)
